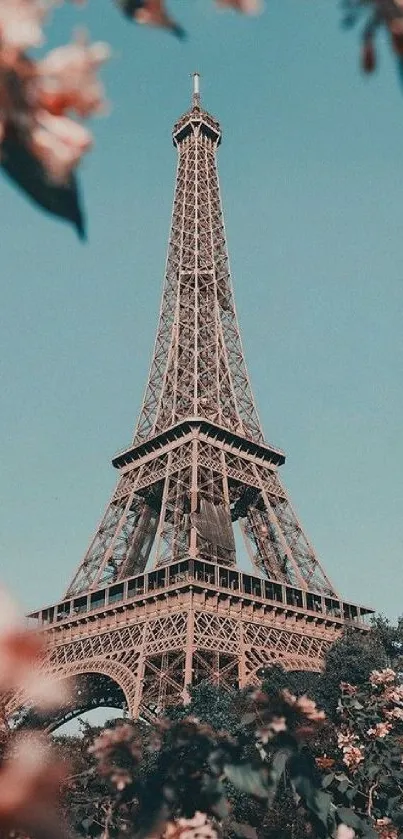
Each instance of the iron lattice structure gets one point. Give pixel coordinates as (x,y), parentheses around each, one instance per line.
(159,602)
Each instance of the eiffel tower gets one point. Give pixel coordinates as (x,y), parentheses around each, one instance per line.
(160,601)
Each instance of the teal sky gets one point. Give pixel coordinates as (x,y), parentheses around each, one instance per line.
(311,173)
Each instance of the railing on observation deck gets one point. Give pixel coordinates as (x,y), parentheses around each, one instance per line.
(209,576)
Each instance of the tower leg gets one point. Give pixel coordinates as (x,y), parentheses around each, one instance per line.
(135,708)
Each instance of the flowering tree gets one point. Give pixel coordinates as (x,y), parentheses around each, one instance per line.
(366,772)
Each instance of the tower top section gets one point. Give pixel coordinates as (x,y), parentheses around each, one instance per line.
(196,121)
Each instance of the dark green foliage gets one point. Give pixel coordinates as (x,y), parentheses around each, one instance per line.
(366,775)
(210,704)
(87,794)
(351,659)
(390,638)
(298,682)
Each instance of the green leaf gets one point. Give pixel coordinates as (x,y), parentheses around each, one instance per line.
(348,817)
(397,817)
(317,801)
(214,760)
(343,785)
(351,793)
(328,780)
(372,770)
(214,796)
(302,773)
(246,779)
(278,767)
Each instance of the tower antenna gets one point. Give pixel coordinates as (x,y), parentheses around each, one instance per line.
(196,90)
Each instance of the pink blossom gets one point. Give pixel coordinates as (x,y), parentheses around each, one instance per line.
(289,697)
(324,762)
(35,96)
(346,740)
(350,690)
(395,694)
(382,677)
(198,827)
(304,705)
(352,756)
(68,80)
(278,724)
(381,729)
(21,23)
(385,829)
(19,649)
(309,709)
(154,13)
(59,143)
(30,781)
(21,653)
(10,617)
(394,714)
(275,726)
(248,7)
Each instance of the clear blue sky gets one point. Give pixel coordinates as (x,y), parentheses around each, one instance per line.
(311,177)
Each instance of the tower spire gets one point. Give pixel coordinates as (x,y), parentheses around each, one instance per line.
(196,90)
